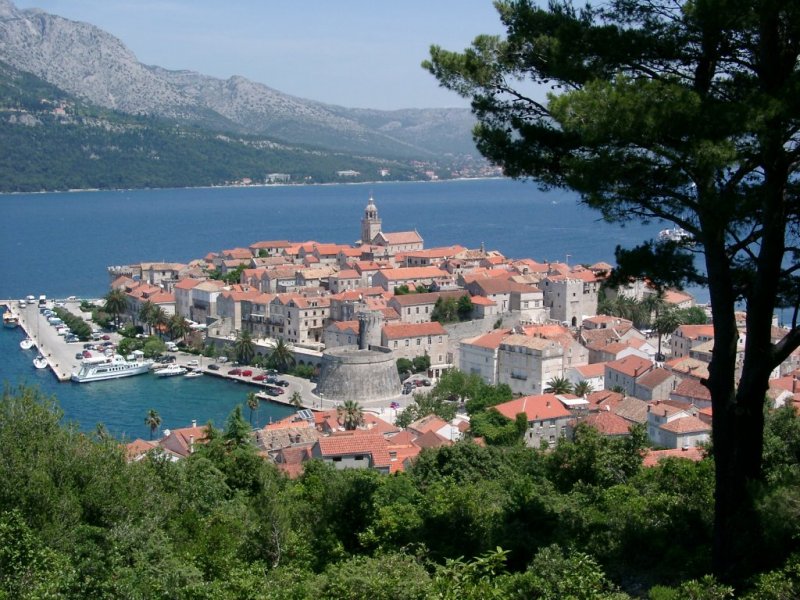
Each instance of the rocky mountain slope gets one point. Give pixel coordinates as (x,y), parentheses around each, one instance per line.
(94,65)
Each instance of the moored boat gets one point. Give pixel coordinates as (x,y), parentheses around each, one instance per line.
(10,320)
(26,344)
(191,374)
(108,367)
(170,371)
(40,362)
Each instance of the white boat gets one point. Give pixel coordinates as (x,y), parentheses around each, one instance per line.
(194,374)
(170,371)
(676,234)
(40,362)
(108,367)
(10,319)
(26,344)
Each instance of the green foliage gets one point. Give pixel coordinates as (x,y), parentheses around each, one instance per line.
(304,371)
(154,346)
(404,365)
(424,405)
(77,325)
(245,348)
(498,430)
(421,364)
(234,275)
(350,414)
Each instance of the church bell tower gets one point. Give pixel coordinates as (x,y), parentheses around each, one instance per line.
(370,223)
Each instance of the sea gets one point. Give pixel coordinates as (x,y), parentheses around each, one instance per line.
(60,244)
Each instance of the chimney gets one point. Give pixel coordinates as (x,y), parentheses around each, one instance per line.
(548,404)
(194,422)
(191,444)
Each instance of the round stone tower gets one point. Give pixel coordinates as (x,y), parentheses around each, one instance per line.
(366,373)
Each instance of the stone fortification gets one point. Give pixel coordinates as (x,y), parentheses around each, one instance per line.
(360,375)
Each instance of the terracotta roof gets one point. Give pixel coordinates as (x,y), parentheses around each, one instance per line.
(271,244)
(489,340)
(676,297)
(431,439)
(654,378)
(180,440)
(356,442)
(427,298)
(688,366)
(187,284)
(427,423)
(632,366)
(592,370)
(653,457)
(347,274)
(139,447)
(442,252)
(482,301)
(407,330)
(607,423)
(525,341)
(665,409)
(504,286)
(691,388)
(602,398)
(692,332)
(687,425)
(404,273)
(537,408)
(632,409)
(401,237)
(345,326)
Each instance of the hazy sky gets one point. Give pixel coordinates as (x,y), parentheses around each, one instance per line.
(355,53)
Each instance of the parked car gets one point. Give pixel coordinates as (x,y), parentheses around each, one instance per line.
(79,355)
(247,373)
(87,354)
(193,363)
(426,382)
(282,383)
(272,379)
(213,367)
(106,337)
(235,372)
(260,377)
(222,359)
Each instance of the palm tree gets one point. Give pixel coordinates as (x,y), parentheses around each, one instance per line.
(296,399)
(159,320)
(178,327)
(281,357)
(558,385)
(245,348)
(145,313)
(583,388)
(667,322)
(350,414)
(116,303)
(252,404)
(153,421)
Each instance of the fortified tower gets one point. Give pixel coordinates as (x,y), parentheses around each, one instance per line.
(364,374)
(370,223)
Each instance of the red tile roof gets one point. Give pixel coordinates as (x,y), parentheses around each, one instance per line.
(687,425)
(691,388)
(632,366)
(408,330)
(607,423)
(537,408)
(406,273)
(653,457)
(356,442)
(654,378)
(489,340)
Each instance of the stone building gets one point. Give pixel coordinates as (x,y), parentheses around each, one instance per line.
(527,363)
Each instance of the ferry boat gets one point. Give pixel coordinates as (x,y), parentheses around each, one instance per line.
(676,234)
(108,367)
(10,320)
(170,371)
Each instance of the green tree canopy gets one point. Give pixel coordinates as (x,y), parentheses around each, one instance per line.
(685,112)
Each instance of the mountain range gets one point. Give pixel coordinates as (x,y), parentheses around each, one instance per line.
(96,67)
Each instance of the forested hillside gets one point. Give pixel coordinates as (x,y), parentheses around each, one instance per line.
(53,141)
(584,521)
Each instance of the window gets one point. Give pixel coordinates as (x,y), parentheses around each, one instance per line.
(395,343)
(408,343)
(419,341)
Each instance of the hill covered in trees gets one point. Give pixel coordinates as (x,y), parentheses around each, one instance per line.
(583,521)
(54,141)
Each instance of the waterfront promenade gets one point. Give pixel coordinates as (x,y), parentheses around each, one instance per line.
(61,361)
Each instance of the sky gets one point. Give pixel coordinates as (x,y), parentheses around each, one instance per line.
(354,53)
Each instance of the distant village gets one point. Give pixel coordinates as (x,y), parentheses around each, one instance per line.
(528,324)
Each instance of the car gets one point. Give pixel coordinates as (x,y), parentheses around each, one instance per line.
(72,298)
(88,346)
(406,390)
(213,367)
(260,377)
(272,379)
(426,382)
(87,354)
(272,371)
(222,359)
(282,383)
(273,391)
(235,372)
(193,363)
(79,355)
(106,337)
(71,338)
(247,373)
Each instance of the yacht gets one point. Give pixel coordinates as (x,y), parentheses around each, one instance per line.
(40,362)
(108,367)
(194,374)
(26,344)
(676,234)
(170,371)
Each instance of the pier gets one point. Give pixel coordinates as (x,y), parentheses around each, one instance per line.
(59,354)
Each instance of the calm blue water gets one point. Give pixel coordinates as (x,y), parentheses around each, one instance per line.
(60,245)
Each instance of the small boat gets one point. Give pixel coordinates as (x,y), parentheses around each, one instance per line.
(10,320)
(40,362)
(194,374)
(170,371)
(26,344)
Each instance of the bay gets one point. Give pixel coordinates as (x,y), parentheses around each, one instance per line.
(60,244)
